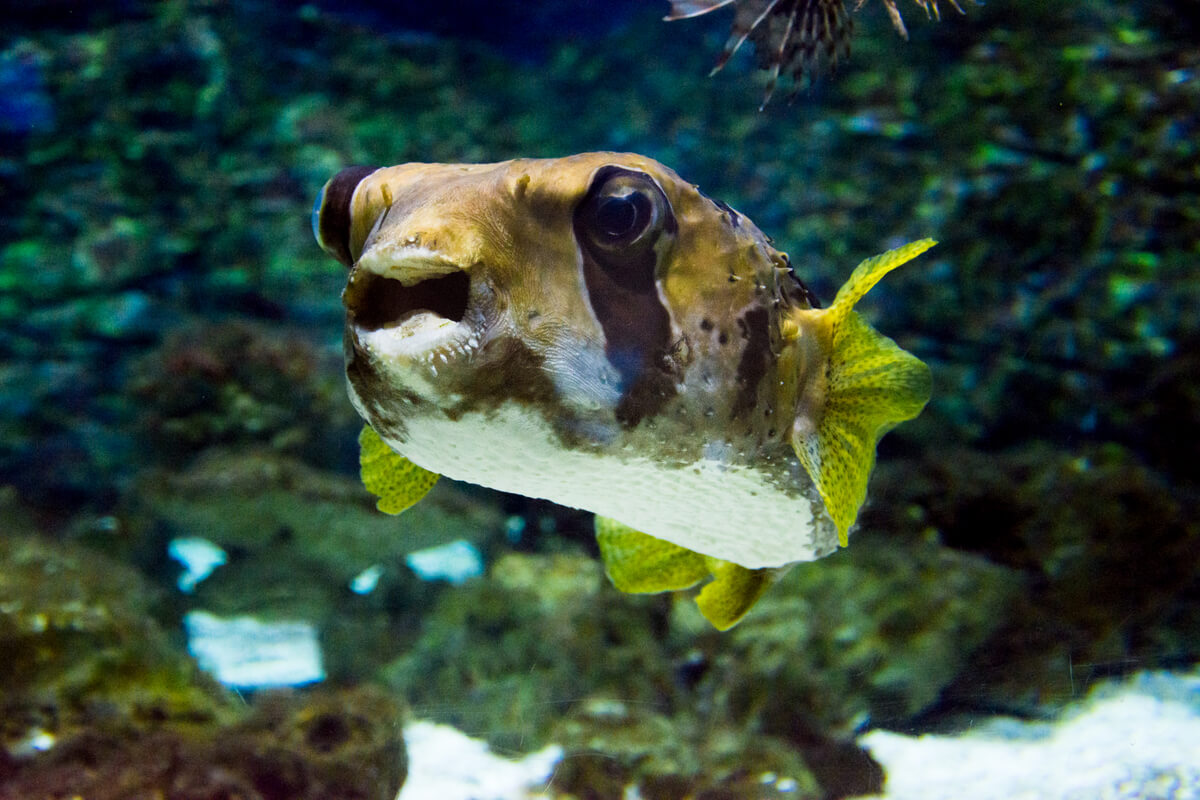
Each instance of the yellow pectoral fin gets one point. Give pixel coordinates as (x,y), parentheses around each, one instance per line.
(732,592)
(872,385)
(638,563)
(396,481)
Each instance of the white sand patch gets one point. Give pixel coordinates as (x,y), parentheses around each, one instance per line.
(1139,743)
(446,764)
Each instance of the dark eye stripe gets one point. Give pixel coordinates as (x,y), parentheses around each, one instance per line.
(624,297)
(331,213)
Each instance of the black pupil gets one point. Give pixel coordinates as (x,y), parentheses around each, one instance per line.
(619,217)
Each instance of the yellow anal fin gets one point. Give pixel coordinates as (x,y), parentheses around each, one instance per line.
(732,592)
(871,386)
(396,481)
(638,563)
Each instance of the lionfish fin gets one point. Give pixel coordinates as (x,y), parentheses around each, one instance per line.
(930,7)
(686,9)
(778,58)
(745,22)
(796,37)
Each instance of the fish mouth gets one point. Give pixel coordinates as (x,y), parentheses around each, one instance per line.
(411,304)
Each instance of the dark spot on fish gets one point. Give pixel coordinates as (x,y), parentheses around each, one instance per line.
(331,215)
(723,338)
(645,398)
(752,367)
(706,324)
(503,369)
(506,370)
(679,355)
(618,224)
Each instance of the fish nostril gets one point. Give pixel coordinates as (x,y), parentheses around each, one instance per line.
(377,302)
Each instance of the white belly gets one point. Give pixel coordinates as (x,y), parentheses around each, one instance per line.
(729,512)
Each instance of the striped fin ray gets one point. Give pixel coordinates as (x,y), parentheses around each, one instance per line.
(777,61)
(813,33)
(930,7)
(686,9)
(745,22)
(795,37)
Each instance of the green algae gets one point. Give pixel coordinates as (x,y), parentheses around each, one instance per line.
(99,701)
(77,630)
(871,635)
(504,657)
(1107,554)
(613,748)
(297,537)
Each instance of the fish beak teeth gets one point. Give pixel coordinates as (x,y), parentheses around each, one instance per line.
(414,297)
(408,263)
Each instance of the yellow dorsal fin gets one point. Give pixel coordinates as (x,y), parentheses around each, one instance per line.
(870,272)
(870,386)
(396,481)
(638,563)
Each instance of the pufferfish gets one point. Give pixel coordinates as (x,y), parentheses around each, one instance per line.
(595,331)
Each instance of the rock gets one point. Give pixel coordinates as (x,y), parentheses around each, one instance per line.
(1107,552)
(614,749)
(97,701)
(505,656)
(345,744)
(296,539)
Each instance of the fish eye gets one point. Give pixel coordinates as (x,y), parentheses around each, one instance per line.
(623,217)
(623,210)
(331,216)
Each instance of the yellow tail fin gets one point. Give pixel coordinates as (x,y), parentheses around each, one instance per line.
(396,481)
(870,386)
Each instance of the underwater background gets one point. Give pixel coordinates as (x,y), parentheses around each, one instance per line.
(183,535)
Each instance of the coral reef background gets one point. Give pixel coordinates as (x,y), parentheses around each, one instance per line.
(170,367)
